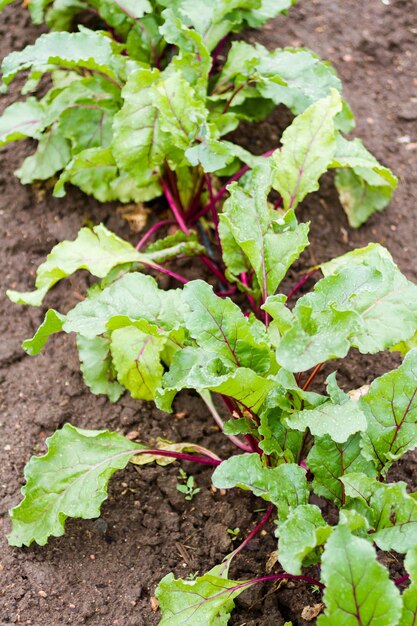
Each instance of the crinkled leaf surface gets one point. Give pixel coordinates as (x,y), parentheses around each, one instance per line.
(299,536)
(96,172)
(137,360)
(371,306)
(134,297)
(358,589)
(367,187)
(339,421)
(390,407)
(284,485)
(21,119)
(271,242)
(96,250)
(219,326)
(390,510)
(51,156)
(330,461)
(194,368)
(69,481)
(97,367)
(308,148)
(86,49)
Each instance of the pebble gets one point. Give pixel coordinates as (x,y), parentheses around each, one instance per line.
(42,594)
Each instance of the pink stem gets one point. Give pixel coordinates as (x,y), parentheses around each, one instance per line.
(153,230)
(213,269)
(223,190)
(254,531)
(225,294)
(403,579)
(213,209)
(182,456)
(174,208)
(168,272)
(300,283)
(217,52)
(245,282)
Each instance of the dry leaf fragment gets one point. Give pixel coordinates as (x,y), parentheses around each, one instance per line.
(310,612)
(136,214)
(271,562)
(154,604)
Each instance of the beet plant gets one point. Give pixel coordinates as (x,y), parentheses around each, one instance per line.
(143,108)
(260,359)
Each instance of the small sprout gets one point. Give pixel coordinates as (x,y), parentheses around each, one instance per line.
(189,486)
(234,532)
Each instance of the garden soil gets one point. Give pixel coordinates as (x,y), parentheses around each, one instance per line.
(104,572)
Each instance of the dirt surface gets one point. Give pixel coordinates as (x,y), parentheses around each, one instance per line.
(104,572)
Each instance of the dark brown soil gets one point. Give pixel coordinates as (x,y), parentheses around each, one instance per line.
(104,572)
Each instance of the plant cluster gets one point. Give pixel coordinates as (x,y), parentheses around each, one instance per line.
(141,109)
(161,119)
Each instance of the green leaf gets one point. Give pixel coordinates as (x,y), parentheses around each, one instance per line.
(51,324)
(161,117)
(390,510)
(271,242)
(339,421)
(20,120)
(97,251)
(137,360)
(371,306)
(52,155)
(133,298)
(87,49)
(206,600)
(173,246)
(70,480)
(358,589)
(308,148)
(294,77)
(285,486)
(193,59)
(97,367)
(409,597)
(390,407)
(139,142)
(96,173)
(215,20)
(367,187)
(300,535)
(330,461)
(219,326)
(193,368)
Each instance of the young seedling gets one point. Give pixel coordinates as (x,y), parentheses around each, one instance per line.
(188,486)
(234,533)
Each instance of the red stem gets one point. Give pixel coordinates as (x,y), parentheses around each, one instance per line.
(312,376)
(245,281)
(254,531)
(214,269)
(223,190)
(174,208)
(168,272)
(153,230)
(213,209)
(300,283)
(403,579)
